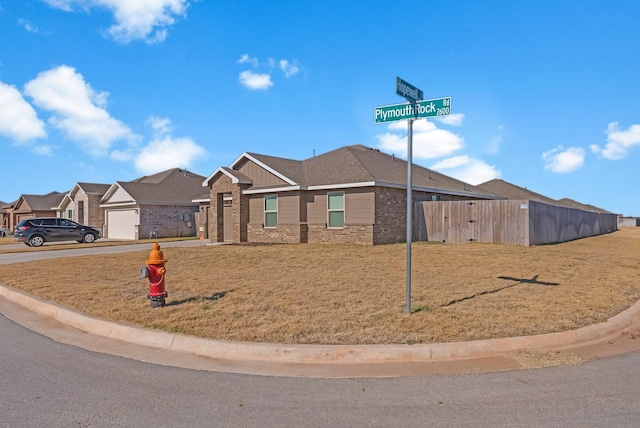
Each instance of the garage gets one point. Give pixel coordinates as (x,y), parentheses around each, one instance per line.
(121,224)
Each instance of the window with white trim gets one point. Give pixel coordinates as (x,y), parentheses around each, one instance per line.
(271,211)
(335,209)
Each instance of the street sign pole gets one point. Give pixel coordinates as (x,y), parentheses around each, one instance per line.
(415,109)
(409,210)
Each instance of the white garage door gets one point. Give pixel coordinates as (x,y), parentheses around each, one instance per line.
(121,224)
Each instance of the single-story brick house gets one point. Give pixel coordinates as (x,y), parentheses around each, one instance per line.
(82,204)
(354,194)
(159,205)
(511,191)
(29,206)
(5,214)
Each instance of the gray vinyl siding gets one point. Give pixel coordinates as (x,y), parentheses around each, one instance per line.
(359,207)
(256,209)
(317,208)
(120,195)
(259,175)
(289,208)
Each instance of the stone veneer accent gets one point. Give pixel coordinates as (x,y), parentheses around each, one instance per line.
(349,234)
(282,234)
(240,207)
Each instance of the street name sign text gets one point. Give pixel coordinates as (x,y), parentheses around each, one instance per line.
(417,110)
(408,91)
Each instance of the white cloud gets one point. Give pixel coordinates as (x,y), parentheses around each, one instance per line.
(451,119)
(160,125)
(77,110)
(289,69)
(122,155)
(27,26)
(261,75)
(467,169)
(146,20)
(168,152)
(618,142)
(563,160)
(18,120)
(246,59)
(496,141)
(429,142)
(255,81)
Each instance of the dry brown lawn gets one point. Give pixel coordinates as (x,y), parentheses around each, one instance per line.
(349,294)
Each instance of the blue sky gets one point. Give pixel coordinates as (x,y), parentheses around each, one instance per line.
(545,94)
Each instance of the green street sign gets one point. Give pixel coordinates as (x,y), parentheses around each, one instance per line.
(407,90)
(404,111)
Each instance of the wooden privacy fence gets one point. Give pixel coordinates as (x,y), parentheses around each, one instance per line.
(514,222)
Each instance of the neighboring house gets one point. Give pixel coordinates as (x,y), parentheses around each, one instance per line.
(29,206)
(511,191)
(628,221)
(354,194)
(4,215)
(6,210)
(202,216)
(580,206)
(159,205)
(82,204)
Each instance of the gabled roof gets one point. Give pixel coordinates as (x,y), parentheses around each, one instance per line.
(511,191)
(586,207)
(235,176)
(174,186)
(356,166)
(90,188)
(64,203)
(9,205)
(40,202)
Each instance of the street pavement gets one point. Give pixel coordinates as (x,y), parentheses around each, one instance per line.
(616,336)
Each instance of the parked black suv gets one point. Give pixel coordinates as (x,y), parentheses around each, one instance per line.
(36,231)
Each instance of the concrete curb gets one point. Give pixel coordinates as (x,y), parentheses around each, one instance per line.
(318,354)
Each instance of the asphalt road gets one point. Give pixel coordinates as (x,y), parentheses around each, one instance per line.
(45,383)
(74,250)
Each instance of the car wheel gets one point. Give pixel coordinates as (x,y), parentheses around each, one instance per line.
(2,234)
(88,238)
(36,241)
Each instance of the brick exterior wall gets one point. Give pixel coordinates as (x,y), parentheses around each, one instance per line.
(390,216)
(349,234)
(92,215)
(168,220)
(282,234)
(240,204)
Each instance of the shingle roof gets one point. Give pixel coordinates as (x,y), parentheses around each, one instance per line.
(43,202)
(361,164)
(174,186)
(292,169)
(586,207)
(511,191)
(94,188)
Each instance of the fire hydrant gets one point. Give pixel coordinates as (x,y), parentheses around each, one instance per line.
(155,270)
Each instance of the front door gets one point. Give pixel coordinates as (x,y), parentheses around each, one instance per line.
(227,220)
